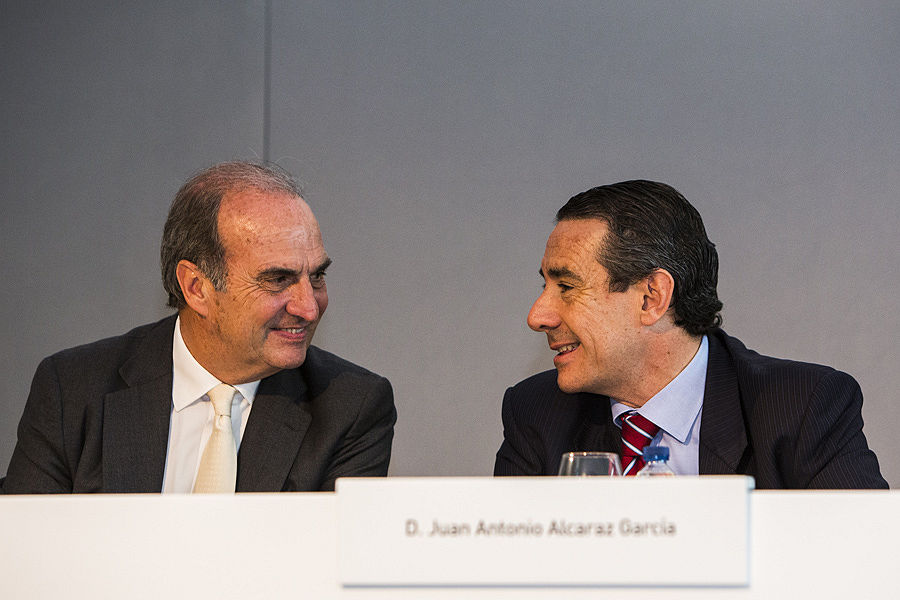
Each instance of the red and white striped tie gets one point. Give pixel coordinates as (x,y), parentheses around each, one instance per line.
(637,431)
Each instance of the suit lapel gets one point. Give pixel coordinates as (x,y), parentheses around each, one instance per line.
(597,432)
(723,438)
(136,418)
(278,421)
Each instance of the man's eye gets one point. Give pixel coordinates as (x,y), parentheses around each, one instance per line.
(276,283)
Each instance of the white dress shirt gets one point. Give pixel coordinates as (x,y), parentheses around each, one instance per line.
(191,419)
(677,409)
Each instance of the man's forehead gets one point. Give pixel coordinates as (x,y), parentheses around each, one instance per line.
(575,240)
(572,251)
(253,200)
(568,231)
(254,213)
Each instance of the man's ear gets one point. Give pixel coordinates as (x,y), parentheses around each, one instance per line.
(659,293)
(195,287)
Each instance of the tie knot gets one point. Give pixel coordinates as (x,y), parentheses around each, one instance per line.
(641,424)
(637,432)
(221,397)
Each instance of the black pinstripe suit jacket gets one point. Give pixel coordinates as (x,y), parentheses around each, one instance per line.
(786,423)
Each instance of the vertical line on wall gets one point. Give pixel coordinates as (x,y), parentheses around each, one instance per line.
(267,79)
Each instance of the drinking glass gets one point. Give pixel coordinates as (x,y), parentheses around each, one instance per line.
(590,463)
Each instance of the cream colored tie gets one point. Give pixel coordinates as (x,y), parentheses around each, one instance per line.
(218,465)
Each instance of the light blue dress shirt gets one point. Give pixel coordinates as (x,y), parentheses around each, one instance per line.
(676,409)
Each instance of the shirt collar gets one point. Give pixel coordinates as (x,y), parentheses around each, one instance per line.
(190,381)
(675,407)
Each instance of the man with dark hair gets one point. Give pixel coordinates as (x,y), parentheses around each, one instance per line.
(630,306)
(228,394)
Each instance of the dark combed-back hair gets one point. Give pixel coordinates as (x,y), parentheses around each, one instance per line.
(652,226)
(191,231)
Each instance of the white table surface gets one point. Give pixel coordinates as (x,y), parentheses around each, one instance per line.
(803,545)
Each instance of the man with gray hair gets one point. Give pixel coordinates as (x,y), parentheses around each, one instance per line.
(228,394)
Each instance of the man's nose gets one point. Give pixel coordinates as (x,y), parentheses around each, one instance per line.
(302,302)
(542,316)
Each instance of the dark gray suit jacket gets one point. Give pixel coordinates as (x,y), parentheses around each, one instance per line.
(789,424)
(97,420)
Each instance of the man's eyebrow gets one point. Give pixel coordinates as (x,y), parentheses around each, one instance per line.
(274,272)
(323,266)
(562,273)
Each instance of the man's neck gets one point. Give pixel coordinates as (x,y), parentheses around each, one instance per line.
(667,355)
(200,342)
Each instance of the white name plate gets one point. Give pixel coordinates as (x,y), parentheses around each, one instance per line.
(549,531)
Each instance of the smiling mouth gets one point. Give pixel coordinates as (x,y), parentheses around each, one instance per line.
(566,349)
(290,330)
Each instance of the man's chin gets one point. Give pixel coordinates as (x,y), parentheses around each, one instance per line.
(289,360)
(567,384)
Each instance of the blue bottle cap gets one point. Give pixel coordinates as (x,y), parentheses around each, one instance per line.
(656,453)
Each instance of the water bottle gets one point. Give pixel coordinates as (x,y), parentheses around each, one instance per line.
(656,458)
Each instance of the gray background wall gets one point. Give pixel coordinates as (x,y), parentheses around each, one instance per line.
(435,141)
